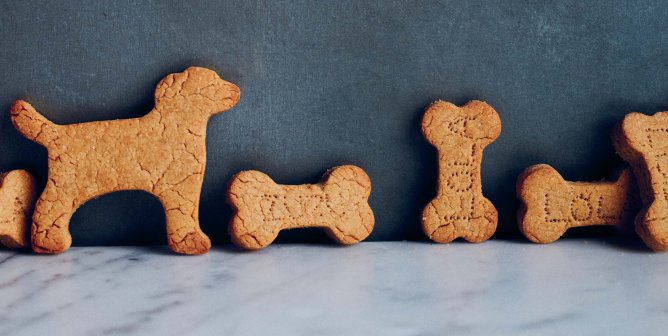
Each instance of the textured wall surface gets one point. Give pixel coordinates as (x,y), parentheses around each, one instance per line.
(329,83)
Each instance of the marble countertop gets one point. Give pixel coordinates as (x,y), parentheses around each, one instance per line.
(578,286)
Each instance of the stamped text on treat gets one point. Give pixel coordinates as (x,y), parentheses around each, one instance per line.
(263,208)
(642,140)
(460,135)
(551,205)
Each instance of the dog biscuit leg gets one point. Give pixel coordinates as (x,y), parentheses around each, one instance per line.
(182,217)
(51,219)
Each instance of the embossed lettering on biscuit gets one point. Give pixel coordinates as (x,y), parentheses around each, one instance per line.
(162,153)
(642,140)
(551,205)
(460,134)
(339,204)
(18,193)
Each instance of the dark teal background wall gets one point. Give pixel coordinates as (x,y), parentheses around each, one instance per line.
(335,82)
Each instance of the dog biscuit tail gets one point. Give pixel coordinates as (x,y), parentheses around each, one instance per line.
(31,124)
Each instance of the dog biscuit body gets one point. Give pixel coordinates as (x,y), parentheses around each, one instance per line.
(263,208)
(162,153)
(551,205)
(460,134)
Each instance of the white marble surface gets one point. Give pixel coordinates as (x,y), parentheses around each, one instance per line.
(574,286)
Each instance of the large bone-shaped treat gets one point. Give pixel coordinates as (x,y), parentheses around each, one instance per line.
(551,205)
(263,208)
(18,193)
(642,141)
(460,134)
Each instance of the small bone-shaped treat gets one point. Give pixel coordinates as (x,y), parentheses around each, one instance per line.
(339,204)
(551,205)
(642,141)
(18,193)
(460,134)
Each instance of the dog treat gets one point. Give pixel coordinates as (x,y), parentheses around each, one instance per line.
(162,153)
(551,205)
(460,134)
(263,208)
(17,198)
(643,141)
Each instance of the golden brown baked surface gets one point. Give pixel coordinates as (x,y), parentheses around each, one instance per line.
(460,134)
(642,141)
(551,205)
(263,208)
(162,153)
(18,193)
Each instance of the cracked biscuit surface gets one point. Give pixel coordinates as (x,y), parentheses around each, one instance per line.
(18,192)
(642,141)
(162,153)
(460,134)
(339,204)
(552,205)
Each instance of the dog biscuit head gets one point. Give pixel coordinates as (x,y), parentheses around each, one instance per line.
(197,89)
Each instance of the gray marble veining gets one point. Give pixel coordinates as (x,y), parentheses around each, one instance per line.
(573,286)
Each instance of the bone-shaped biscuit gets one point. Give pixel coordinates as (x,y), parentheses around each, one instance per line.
(18,194)
(460,134)
(642,141)
(263,208)
(552,205)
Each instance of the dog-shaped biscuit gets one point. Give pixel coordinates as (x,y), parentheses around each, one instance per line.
(460,134)
(162,153)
